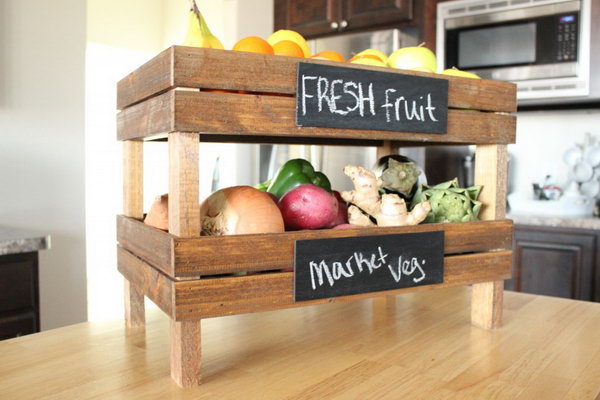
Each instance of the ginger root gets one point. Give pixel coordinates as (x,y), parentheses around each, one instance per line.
(387,210)
(366,189)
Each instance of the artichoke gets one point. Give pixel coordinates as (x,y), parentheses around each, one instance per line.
(398,174)
(449,202)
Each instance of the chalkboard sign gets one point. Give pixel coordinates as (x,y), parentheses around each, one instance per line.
(343,266)
(351,98)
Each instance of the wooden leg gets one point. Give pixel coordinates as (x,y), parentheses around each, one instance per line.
(486,304)
(491,173)
(185,352)
(135,315)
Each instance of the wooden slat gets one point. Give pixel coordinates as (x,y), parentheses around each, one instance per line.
(230,70)
(153,116)
(240,115)
(133,206)
(216,255)
(149,281)
(153,77)
(235,295)
(184,208)
(135,312)
(491,162)
(189,257)
(133,179)
(148,243)
(185,352)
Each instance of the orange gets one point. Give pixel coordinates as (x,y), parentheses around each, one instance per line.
(284,34)
(253,44)
(287,48)
(371,56)
(330,55)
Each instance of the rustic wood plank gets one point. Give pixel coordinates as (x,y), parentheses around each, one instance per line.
(243,114)
(184,208)
(155,76)
(230,70)
(190,257)
(152,117)
(225,254)
(221,296)
(150,244)
(133,179)
(133,206)
(185,352)
(135,313)
(149,281)
(491,170)
(387,147)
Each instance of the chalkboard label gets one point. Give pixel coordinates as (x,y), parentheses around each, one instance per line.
(343,266)
(350,98)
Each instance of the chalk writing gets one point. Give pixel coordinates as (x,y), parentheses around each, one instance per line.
(343,97)
(342,266)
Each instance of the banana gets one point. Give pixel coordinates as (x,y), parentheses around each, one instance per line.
(198,34)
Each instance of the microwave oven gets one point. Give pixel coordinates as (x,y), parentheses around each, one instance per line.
(549,48)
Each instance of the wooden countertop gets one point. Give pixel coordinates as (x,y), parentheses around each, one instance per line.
(417,345)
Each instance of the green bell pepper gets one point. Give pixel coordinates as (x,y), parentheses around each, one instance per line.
(294,173)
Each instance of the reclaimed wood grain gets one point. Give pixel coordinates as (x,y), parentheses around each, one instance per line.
(209,255)
(133,206)
(214,297)
(190,67)
(148,243)
(491,171)
(184,221)
(184,192)
(135,312)
(154,77)
(258,115)
(186,351)
(147,280)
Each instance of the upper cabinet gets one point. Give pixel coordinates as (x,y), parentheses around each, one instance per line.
(310,18)
(317,18)
(360,14)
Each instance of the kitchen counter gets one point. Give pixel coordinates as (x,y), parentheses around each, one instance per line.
(577,223)
(16,241)
(416,345)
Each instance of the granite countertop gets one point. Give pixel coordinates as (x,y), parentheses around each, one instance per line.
(579,223)
(14,241)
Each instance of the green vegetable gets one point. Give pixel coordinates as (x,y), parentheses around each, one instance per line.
(449,203)
(398,174)
(263,186)
(294,173)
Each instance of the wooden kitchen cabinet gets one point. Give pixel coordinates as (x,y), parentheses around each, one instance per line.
(316,18)
(556,261)
(19,295)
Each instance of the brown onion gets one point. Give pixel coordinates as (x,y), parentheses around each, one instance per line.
(239,210)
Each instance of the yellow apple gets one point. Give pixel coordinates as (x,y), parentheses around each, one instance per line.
(415,58)
(457,72)
(368,61)
(373,52)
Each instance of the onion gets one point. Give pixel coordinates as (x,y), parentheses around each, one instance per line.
(239,210)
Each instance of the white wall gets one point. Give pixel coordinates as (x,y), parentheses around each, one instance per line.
(42,45)
(542,138)
(121,37)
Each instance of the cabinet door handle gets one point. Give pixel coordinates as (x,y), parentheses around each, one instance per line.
(343,24)
(334,25)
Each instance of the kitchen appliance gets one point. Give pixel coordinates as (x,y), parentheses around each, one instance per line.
(549,48)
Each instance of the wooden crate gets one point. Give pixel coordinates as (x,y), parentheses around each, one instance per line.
(191,277)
